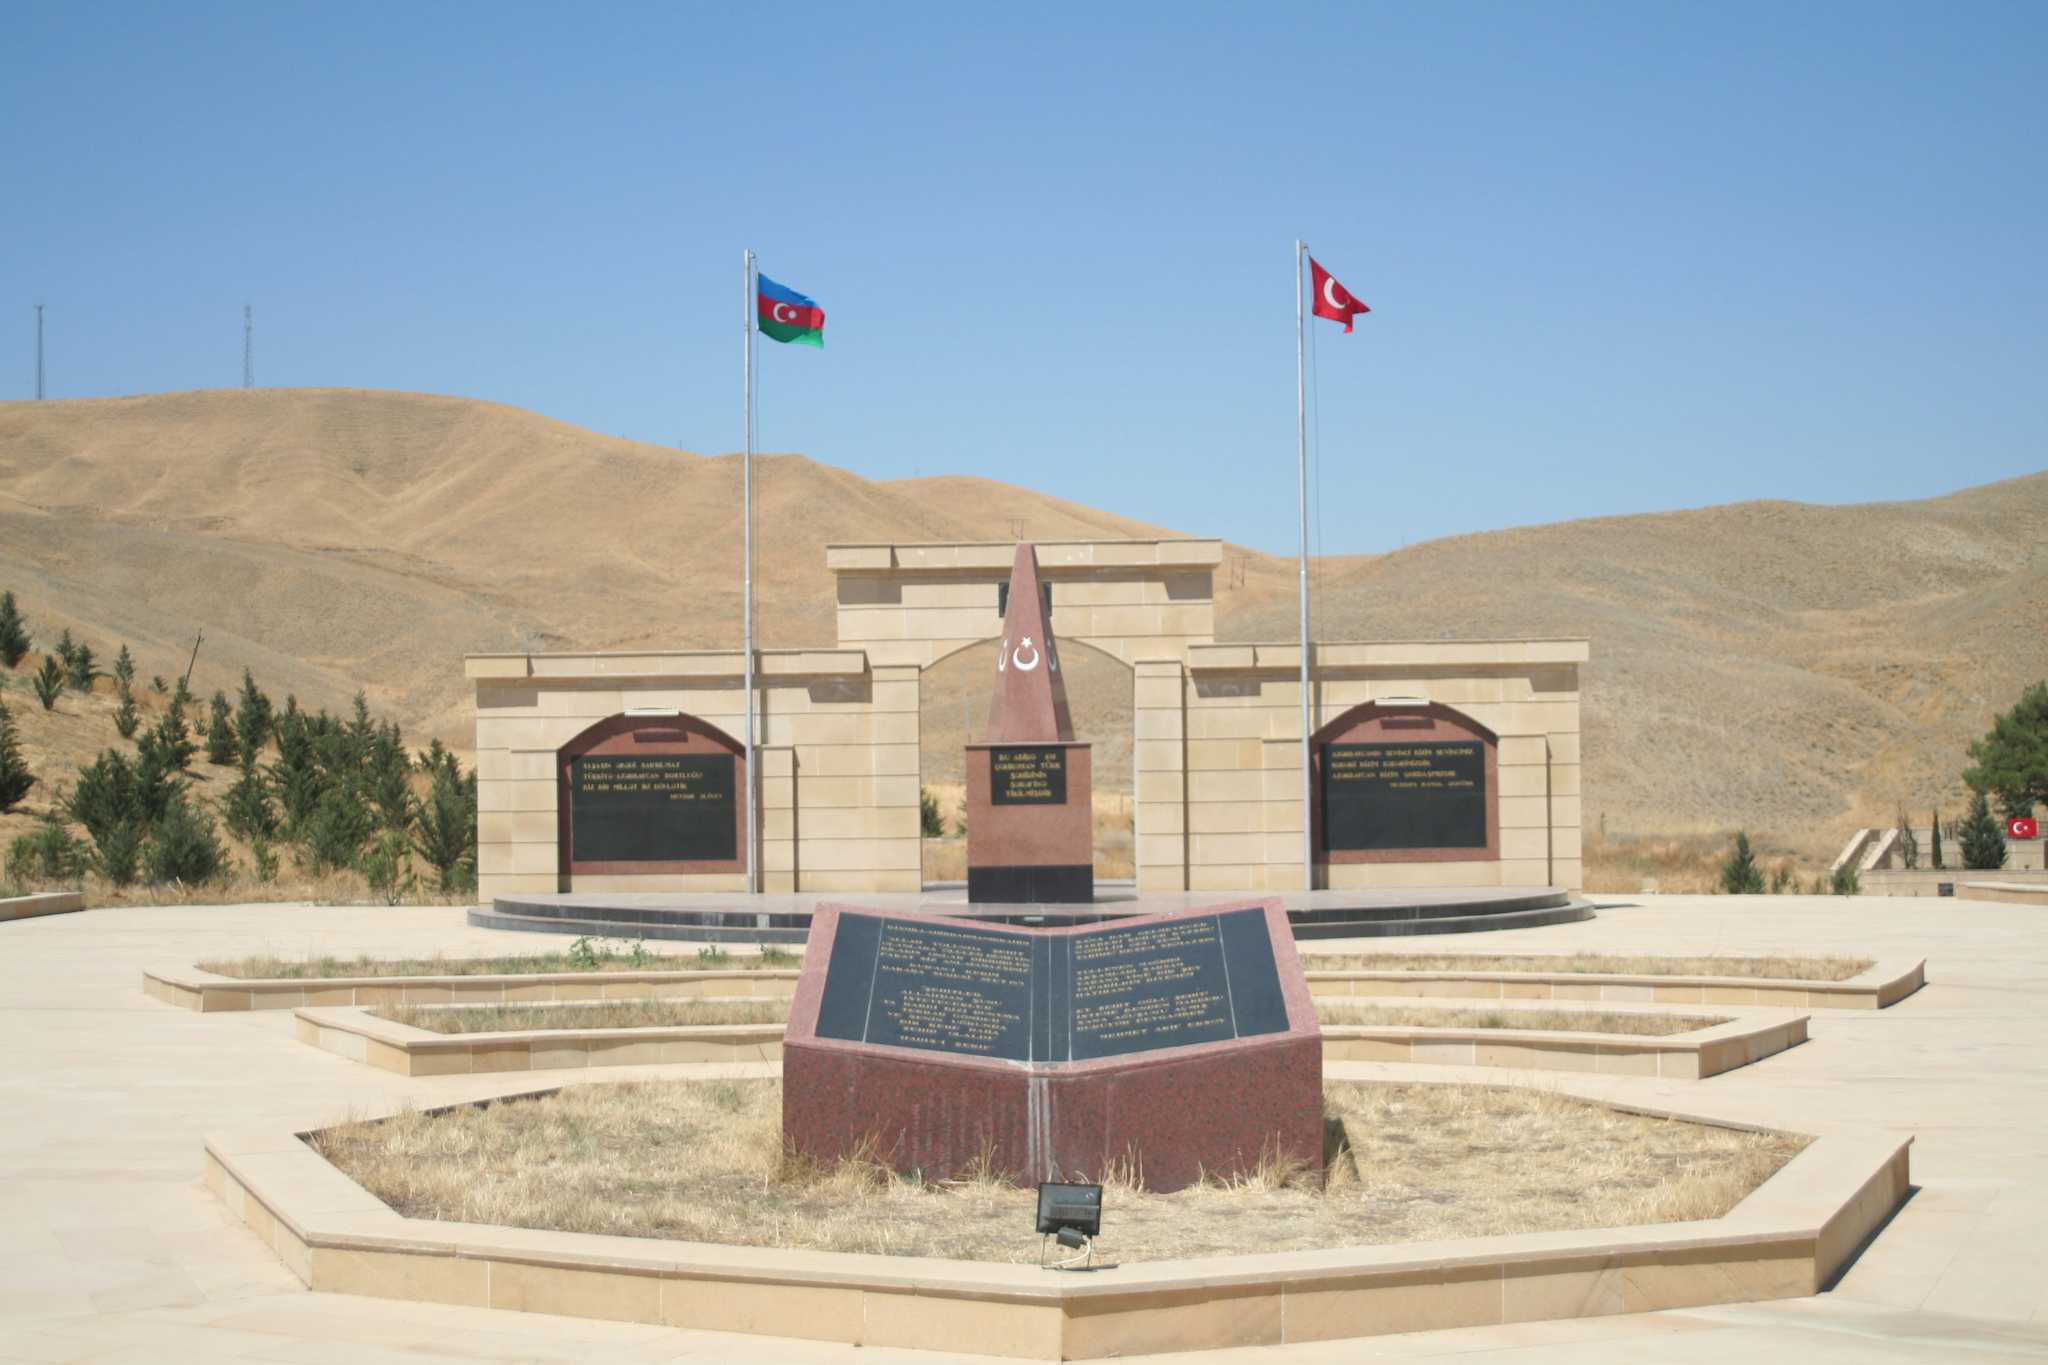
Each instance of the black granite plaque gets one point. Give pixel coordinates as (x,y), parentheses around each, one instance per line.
(653,808)
(1052,998)
(1022,776)
(1402,796)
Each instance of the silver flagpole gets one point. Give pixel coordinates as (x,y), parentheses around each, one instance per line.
(1308,837)
(747,574)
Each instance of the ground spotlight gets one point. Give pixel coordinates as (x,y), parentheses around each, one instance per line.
(1072,1216)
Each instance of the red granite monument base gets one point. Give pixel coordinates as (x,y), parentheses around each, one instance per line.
(1039,845)
(1170,1114)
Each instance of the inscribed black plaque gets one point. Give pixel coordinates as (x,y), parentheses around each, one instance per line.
(1020,776)
(653,808)
(936,987)
(1057,998)
(1402,796)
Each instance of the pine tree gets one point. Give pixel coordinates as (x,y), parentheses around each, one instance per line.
(445,821)
(83,668)
(2012,760)
(67,648)
(252,715)
(126,717)
(49,682)
(1740,876)
(14,639)
(1982,840)
(183,847)
(124,668)
(172,739)
(15,778)
(1936,841)
(1909,845)
(220,733)
(247,807)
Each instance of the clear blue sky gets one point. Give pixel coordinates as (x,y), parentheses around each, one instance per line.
(1668,254)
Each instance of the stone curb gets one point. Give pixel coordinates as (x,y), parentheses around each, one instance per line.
(41,903)
(360,1036)
(207,992)
(1883,984)
(1788,1239)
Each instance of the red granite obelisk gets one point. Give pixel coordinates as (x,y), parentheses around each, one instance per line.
(1030,812)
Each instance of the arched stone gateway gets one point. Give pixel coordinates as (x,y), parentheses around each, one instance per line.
(651,795)
(1216,750)
(1405,784)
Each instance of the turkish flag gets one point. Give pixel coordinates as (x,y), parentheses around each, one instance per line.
(1333,300)
(2021,827)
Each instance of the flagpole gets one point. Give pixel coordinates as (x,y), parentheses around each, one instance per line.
(1308,837)
(747,572)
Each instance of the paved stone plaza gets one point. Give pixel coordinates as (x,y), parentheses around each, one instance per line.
(111,1248)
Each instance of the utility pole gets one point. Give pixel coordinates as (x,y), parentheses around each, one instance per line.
(39,351)
(248,347)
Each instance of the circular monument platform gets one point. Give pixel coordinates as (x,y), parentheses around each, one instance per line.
(732,917)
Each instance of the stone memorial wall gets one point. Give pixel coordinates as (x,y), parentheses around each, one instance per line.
(1184,1040)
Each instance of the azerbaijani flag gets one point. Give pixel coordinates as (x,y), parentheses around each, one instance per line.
(787,315)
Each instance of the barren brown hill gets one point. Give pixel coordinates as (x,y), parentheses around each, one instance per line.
(1786,667)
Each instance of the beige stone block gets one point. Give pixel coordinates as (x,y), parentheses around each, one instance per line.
(623,1052)
(530,857)
(1235,787)
(1282,817)
(1574,990)
(1443,1053)
(1421,1301)
(1156,693)
(1225,848)
(1530,845)
(1224,817)
(1525,751)
(1617,1061)
(929,1323)
(1728,995)
(619,1296)
(1617,991)
(559,1057)
(1158,724)
(1182,1320)
(330,995)
(1195,621)
(515,796)
(441,1062)
(1776,995)
(849,855)
(507,1057)
(1160,848)
(1646,1282)
(394,1275)
(1691,1066)
(1160,817)
(1338,1048)
(1224,755)
(978,596)
(809,1312)
(1676,995)
(881,879)
(425,995)
(1158,755)
(514,827)
(491,886)
(1524,812)
(1525,990)
(1524,872)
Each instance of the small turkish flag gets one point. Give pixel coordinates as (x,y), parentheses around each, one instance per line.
(2022,828)
(1333,300)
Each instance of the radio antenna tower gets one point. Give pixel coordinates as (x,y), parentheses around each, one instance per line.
(248,347)
(39,351)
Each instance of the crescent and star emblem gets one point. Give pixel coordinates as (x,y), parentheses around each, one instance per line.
(782,308)
(1017,656)
(1330,292)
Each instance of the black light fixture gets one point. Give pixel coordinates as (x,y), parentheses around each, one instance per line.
(1072,1216)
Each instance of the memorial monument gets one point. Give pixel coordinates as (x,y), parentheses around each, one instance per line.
(1030,793)
(1180,1044)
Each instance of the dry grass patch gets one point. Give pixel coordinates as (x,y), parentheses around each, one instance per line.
(605,1014)
(1557,1021)
(1775,968)
(639,959)
(704,1161)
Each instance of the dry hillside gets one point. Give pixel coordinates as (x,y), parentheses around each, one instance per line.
(1786,667)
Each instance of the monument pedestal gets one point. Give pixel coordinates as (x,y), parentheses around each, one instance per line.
(1174,1045)
(1030,823)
